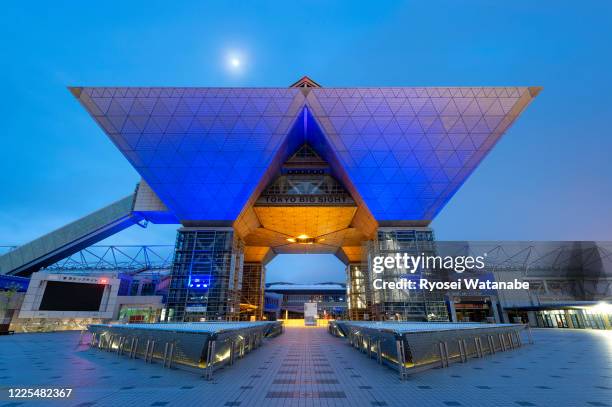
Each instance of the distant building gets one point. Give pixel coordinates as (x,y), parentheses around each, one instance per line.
(272,306)
(12,291)
(569,284)
(330,298)
(51,301)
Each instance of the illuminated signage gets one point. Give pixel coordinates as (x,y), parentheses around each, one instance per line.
(305,200)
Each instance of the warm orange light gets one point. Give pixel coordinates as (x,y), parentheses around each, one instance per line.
(302,239)
(103,281)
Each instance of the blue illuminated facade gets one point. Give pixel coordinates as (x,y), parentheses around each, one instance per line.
(405,151)
(206,276)
(337,167)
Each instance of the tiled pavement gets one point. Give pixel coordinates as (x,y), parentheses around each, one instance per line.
(308,367)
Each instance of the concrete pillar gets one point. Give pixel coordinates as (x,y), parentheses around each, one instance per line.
(533,320)
(504,318)
(494,303)
(452,310)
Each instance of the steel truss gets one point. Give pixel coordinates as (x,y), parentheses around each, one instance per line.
(132,259)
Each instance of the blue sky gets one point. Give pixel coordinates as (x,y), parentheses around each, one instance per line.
(549,178)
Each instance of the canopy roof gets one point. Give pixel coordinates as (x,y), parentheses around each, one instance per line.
(402,152)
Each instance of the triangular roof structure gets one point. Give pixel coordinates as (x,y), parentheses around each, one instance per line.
(305,82)
(401,151)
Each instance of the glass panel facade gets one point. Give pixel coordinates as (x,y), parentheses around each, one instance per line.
(573,318)
(253,277)
(188,143)
(206,276)
(408,305)
(357,291)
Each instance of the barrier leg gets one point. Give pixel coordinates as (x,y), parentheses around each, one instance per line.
(170,355)
(165,353)
(462,352)
(399,345)
(210,354)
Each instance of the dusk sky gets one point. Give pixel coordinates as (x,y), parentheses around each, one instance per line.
(549,178)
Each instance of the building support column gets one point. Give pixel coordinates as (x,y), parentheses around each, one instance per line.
(533,319)
(206,275)
(451,309)
(494,303)
(252,294)
(357,292)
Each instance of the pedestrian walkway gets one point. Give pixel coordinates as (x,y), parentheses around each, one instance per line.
(309,367)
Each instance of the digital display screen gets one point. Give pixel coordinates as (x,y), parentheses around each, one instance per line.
(63,296)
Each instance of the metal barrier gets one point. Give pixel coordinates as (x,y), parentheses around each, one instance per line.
(415,346)
(205,345)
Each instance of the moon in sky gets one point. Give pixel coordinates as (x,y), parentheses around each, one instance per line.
(235,62)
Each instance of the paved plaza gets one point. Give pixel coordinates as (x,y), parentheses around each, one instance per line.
(309,367)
